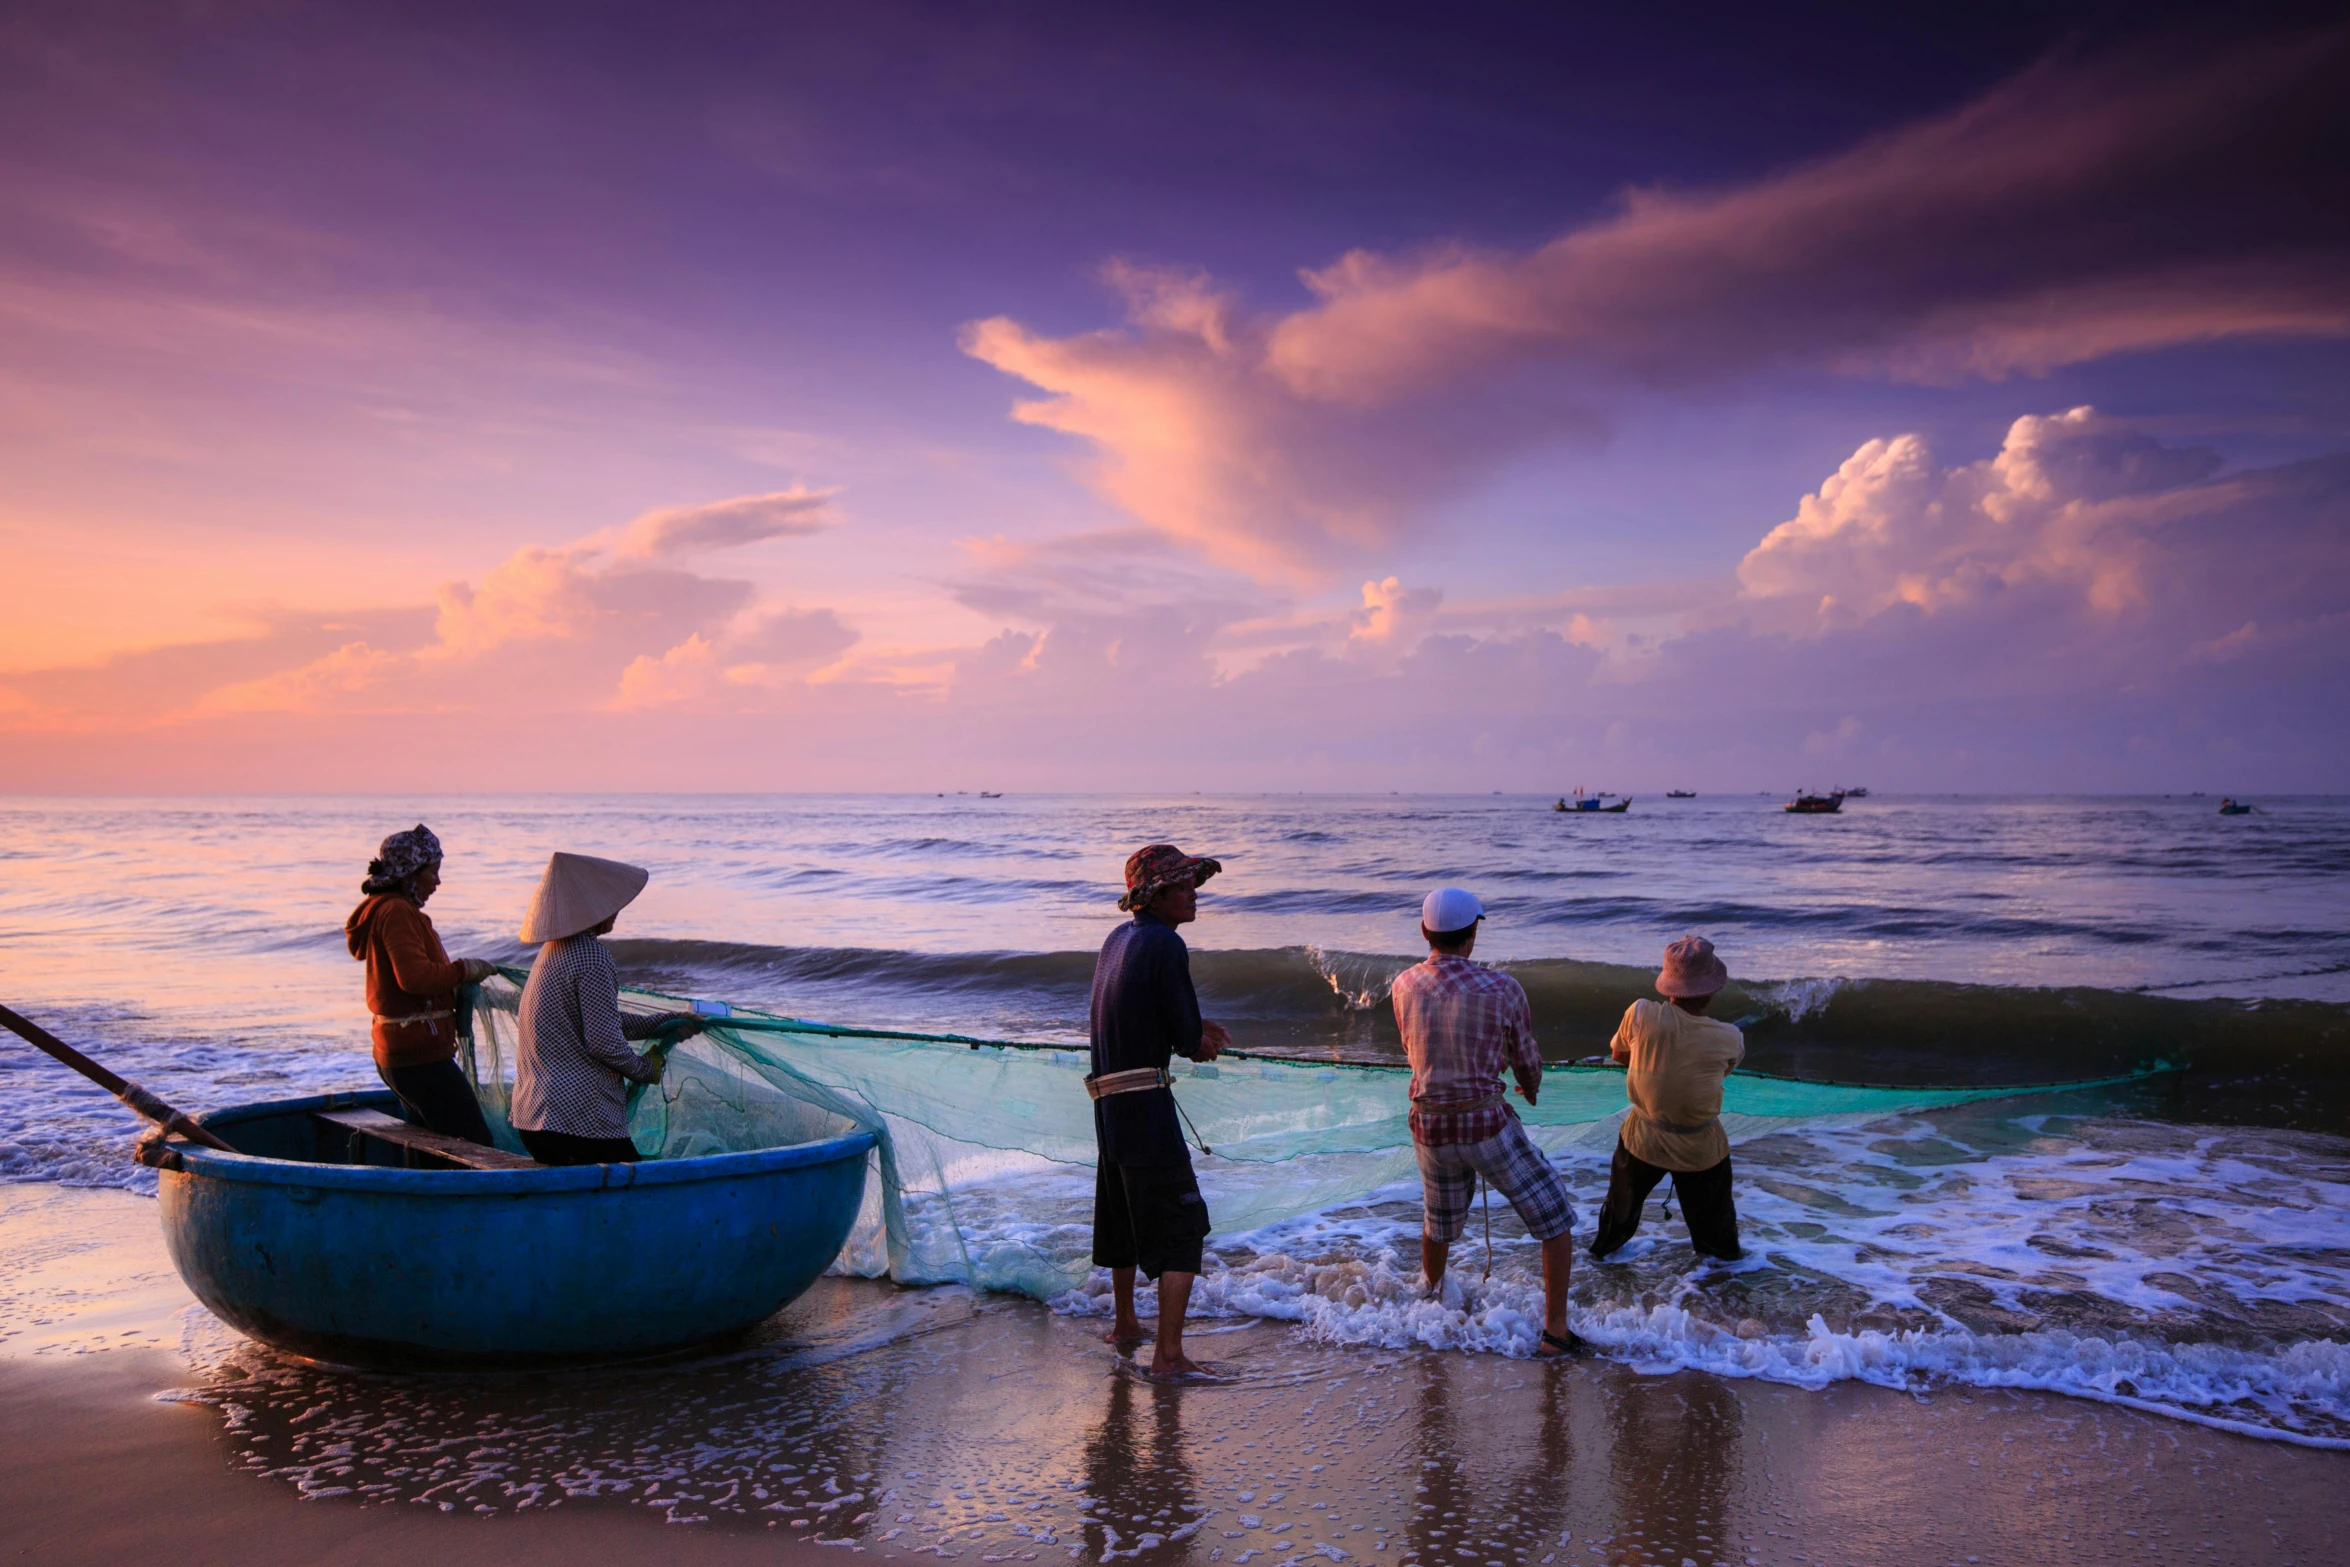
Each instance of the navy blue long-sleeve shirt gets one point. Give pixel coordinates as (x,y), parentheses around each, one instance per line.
(1144,1012)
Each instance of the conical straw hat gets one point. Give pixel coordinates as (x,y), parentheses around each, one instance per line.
(580,892)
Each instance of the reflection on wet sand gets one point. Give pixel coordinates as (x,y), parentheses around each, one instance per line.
(1675,1453)
(1549,1470)
(936,1423)
(1139,1490)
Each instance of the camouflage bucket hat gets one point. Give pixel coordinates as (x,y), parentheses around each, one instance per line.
(1162,865)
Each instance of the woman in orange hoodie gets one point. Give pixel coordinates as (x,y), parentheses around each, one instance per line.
(412,987)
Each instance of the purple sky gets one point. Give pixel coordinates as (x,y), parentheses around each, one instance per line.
(1079,397)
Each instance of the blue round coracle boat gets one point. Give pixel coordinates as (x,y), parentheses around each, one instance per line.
(360,1263)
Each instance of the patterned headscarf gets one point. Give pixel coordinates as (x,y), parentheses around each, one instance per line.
(403,854)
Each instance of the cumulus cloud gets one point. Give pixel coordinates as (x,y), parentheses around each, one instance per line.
(540,597)
(1391,612)
(2089,528)
(1890,526)
(313,687)
(727,670)
(675,532)
(2078,211)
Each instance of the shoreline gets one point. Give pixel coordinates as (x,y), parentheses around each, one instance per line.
(898,1422)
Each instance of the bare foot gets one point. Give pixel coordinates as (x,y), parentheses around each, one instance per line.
(1125,1333)
(1176,1365)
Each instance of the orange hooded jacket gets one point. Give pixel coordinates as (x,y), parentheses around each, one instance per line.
(408,972)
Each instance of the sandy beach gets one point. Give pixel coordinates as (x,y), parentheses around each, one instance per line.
(872,1419)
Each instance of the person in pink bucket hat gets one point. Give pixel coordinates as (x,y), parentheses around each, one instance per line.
(1676,1058)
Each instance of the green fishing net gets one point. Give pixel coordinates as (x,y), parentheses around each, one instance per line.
(984,1173)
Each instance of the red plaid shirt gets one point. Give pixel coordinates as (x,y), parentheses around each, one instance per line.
(1462,1024)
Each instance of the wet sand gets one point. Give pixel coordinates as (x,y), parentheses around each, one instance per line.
(872,1420)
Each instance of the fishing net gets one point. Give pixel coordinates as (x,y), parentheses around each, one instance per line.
(984,1170)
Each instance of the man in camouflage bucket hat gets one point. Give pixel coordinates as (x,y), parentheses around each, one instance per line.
(1147,1208)
(1160,865)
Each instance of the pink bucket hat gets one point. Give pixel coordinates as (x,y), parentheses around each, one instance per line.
(1691,969)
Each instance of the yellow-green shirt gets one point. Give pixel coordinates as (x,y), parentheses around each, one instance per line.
(1677,1061)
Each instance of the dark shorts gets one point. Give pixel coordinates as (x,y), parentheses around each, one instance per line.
(563,1148)
(1148,1216)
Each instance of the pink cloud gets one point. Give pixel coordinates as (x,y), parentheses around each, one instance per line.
(2070,214)
(730,670)
(1392,612)
(1192,438)
(1196,440)
(2077,212)
(572,627)
(674,532)
(147,684)
(2082,605)
(321,685)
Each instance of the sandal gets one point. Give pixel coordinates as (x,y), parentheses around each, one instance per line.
(1571,1347)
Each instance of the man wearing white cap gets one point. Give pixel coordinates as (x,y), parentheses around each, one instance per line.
(1462,1024)
(1676,1058)
(572,1064)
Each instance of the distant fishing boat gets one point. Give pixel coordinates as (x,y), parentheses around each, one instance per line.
(1591,803)
(1854,794)
(991,794)
(1680,794)
(1815,804)
(2231,808)
(311,1234)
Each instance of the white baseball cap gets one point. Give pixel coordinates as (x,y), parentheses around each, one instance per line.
(1449,909)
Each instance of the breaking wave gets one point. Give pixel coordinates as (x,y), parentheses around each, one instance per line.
(2262,1062)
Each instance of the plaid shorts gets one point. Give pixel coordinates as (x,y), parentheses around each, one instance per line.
(1512,1165)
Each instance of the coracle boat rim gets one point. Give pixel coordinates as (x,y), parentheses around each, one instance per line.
(256,1169)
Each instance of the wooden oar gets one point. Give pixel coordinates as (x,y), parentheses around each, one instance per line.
(130,1093)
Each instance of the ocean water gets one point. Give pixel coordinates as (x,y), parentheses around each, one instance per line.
(2180,1242)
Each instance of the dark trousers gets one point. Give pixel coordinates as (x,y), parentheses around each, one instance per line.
(438,1098)
(1705,1205)
(563,1148)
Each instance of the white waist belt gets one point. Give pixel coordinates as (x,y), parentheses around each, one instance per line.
(1129,1082)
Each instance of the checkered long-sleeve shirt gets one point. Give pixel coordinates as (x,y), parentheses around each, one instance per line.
(572,1064)
(1463,1023)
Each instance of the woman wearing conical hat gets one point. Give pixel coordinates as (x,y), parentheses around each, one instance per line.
(572,1063)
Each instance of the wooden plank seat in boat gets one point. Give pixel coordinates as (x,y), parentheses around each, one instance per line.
(456,1150)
